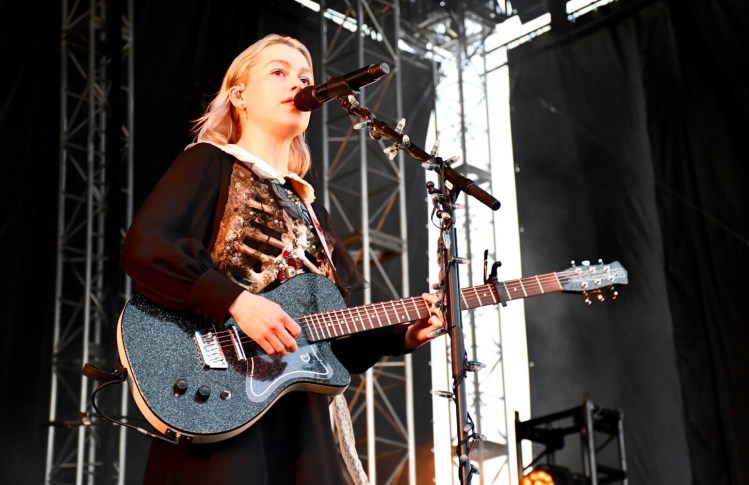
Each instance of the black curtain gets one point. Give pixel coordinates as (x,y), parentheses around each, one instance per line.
(29,147)
(627,136)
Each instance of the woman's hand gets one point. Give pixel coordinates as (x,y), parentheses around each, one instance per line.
(421,331)
(266,323)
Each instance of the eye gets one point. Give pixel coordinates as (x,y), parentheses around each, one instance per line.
(278,72)
(305,80)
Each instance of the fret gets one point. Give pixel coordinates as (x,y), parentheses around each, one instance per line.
(347,320)
(400,318)
(377,314)
(338,322)
(522,287)
(533,286)
(387,315)
(326,325)
(416,308)
(352,319)
(491,293)
(559,283)
(408,315)
(369,317)
(313,327)
(527,286)
(540,286)
(478,296)
(517,287)
(358,313)
(507,291)
(307,327)
(304,323)
(465,302)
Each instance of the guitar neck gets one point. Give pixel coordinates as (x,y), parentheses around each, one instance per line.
(347,321)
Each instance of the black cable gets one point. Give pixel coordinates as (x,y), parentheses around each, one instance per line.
(122,423)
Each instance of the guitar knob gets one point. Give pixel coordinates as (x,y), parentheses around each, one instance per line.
(203,393)
(180,387)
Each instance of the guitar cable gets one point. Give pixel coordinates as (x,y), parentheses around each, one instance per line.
(117,377)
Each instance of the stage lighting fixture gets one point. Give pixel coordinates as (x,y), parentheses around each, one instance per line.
(546,474)
(537,477)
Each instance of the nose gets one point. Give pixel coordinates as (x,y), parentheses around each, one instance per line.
(298,85)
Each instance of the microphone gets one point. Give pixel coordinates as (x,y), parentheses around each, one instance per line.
(313,97)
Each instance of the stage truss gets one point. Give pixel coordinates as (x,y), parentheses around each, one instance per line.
(95,175)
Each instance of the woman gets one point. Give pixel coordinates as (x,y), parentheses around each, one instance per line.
(231,218)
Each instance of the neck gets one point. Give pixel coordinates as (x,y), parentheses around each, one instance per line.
(275,151)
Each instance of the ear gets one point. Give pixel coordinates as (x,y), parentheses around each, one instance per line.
(236,96)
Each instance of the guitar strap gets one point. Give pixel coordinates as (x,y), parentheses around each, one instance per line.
(341,414)
(323,242)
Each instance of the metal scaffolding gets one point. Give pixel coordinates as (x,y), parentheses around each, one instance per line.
(455,35)
(365,193)
(95,207)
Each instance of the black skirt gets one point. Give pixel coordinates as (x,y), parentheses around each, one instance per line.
(291,444)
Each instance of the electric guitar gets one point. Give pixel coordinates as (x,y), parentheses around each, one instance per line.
(194,380)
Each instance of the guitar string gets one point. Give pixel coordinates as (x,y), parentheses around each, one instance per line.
(382,311)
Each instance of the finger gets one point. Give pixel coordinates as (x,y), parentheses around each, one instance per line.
(292,327)
(266,346)
(278,346)
(286,340)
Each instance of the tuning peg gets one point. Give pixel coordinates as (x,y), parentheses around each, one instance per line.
(452,160)
(391,152)
(435,147)
(445,394)
(401,124)
(572,262)
(362,125)
(600,297)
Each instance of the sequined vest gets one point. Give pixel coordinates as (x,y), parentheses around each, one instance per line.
(266,235)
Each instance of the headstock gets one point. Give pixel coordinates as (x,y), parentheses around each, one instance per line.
(592,279)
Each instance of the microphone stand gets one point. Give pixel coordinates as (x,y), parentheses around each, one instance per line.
(445,196)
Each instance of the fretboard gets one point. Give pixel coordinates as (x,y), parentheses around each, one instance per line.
(346,321)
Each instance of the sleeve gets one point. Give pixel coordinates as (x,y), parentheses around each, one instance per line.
(166,248)
(358,352)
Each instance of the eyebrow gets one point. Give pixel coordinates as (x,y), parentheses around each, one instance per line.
(305,70)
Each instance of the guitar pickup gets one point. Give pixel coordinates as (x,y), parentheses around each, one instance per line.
(210,350)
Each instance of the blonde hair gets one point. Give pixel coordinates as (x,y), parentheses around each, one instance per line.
(220,122)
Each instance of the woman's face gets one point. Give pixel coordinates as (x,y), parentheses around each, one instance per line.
(280,71)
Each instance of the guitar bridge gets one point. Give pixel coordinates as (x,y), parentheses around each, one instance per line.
(210,351)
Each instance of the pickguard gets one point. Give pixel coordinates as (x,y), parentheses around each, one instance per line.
(266,374)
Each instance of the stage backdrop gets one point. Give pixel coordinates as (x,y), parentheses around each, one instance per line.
(627,141)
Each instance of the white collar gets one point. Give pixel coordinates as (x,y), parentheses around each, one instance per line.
(264,170)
